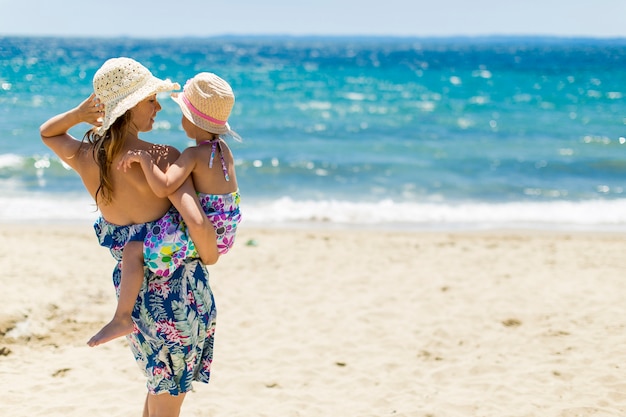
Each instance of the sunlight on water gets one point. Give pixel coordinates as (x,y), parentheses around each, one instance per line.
(375,130)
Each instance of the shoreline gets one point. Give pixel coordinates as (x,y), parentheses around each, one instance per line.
(337,322)
(303,226)
(285,213)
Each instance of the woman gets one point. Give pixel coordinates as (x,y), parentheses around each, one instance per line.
(174,316)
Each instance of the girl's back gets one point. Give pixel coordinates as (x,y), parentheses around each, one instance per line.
(218,177)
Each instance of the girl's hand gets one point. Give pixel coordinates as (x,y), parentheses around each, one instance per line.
(132,157)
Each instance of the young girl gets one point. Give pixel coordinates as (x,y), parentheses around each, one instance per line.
(206,103)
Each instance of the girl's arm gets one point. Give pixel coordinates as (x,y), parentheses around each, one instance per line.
(182,195)
(162,183)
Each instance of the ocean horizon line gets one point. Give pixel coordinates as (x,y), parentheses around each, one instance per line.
(480,38)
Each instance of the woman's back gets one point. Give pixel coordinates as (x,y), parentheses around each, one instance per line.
(132,199)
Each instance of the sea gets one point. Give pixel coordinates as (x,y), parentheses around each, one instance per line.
(387,133)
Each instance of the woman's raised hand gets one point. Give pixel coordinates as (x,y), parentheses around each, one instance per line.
(91,110)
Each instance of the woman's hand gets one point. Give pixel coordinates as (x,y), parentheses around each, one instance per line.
(54,131)
(91,110)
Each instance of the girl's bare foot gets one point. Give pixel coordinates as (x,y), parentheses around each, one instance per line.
(116,328)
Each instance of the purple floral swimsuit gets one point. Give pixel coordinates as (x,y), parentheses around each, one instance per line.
(167,243)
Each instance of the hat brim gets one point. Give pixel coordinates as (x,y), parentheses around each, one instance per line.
(199,121)
(115,109)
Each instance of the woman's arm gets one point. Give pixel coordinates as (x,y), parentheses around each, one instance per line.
(54,131)
(162,183)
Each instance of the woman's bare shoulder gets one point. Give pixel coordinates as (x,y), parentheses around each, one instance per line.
(163,153)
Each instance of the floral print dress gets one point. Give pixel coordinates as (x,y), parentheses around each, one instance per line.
(174,315)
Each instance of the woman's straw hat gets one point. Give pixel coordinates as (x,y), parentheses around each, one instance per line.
(121,83)
(207,101)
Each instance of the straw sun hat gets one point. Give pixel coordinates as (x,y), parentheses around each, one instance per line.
(207,101)
(121,83)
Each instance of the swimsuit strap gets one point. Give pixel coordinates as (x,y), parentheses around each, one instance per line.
(214,144)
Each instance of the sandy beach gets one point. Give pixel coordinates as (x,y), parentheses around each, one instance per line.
(327,323)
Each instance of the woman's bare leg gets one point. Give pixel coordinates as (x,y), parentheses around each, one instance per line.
(200,228)
(163,405)
(146,413)
(130,285)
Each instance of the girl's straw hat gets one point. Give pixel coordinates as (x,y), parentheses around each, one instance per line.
(207,101)
(121,83)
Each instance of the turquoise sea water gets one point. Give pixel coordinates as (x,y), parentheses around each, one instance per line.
(391,132)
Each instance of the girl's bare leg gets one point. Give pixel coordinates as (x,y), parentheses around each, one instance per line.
(163,405)
(200,228)
(130,285)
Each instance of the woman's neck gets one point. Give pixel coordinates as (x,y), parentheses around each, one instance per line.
(132,132)
(131,137)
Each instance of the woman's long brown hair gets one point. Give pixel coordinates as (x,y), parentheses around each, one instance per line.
(105,148)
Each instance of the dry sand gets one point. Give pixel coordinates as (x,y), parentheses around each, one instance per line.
(337,324)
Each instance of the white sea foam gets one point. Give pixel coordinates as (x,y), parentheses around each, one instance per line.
(386,214)
(11,161)
(586,215)
(38,208)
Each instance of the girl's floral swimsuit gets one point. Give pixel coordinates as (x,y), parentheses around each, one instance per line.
(175,311)
(167,243)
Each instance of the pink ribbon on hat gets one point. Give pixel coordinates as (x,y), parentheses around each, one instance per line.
(202,115)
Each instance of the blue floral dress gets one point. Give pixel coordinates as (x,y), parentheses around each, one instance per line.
(174,316)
